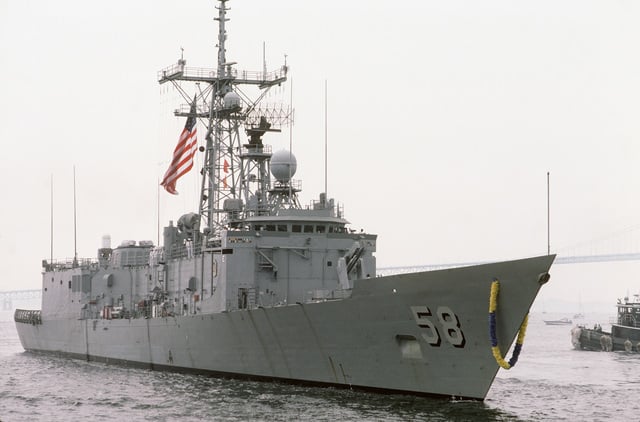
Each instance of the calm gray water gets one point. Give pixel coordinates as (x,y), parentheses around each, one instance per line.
(551,382)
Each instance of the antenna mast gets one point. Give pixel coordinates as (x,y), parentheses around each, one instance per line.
(548,219)
(325,139)
(51,261)
(235,178)
(75,243)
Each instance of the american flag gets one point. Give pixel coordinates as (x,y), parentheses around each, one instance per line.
(182,160)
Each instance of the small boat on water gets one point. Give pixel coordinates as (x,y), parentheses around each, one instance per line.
(561,321)
(624,335)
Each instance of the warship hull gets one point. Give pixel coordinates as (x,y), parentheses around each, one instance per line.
(419,333)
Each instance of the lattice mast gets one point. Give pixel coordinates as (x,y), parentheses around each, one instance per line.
(222,137)
(235,178)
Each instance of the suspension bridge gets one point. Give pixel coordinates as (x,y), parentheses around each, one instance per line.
(622,245)
(7,298)
(577,259)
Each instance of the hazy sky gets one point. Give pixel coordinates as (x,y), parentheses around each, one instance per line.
(444,118)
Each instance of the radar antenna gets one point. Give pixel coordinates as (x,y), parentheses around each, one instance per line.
(235,177)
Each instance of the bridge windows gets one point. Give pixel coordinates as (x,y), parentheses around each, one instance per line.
(301,228)
(272,227)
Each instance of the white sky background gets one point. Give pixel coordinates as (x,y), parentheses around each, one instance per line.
(444,118)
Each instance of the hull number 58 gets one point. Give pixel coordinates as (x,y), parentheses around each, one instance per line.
(444,321)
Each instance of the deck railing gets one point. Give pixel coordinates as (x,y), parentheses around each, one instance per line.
(68,263)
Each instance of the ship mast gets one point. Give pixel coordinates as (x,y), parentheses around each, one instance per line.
(235,177)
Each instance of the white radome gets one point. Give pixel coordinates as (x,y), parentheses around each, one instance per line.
(283,165)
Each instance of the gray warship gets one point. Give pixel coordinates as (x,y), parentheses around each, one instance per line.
(257,286)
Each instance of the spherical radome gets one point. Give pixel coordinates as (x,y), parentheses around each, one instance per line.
(283,165)
(232,100)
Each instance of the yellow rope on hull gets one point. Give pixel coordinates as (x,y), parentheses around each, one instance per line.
(495,349)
